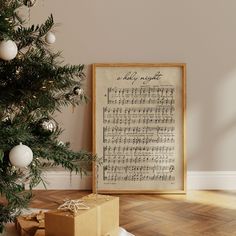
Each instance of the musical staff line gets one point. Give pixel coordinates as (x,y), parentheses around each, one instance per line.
(138,110)
(139,149)
(141,91)
(137,168)
(136,177)
(139,134)
(137,160)
(138,140)
(137,129)
(148,101)
(128,121)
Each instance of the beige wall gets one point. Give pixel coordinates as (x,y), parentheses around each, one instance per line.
(200,33)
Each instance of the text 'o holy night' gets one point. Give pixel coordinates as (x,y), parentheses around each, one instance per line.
(134,77)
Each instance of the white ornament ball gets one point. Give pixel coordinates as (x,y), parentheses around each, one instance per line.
(21,156)
(50,38)
(8,50)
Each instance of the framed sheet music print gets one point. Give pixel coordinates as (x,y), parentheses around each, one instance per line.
(139,128)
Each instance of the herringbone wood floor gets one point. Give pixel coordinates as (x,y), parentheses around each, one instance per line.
(207,213)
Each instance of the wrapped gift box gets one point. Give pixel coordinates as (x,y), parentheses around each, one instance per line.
(101,219)
(108,211)
(40,232)
(59,223)
(28,225)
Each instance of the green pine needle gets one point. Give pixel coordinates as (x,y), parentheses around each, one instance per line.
(33,86)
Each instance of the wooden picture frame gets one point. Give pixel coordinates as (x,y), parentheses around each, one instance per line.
(139,128)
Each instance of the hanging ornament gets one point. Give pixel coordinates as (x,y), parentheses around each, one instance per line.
(50,38)
(29,3)
(8,50)
(21,155)
(47,126)
(78,91)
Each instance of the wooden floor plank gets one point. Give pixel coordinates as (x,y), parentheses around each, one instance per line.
(207,213)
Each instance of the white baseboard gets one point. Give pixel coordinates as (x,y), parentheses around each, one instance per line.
(211,180)
(196,180)
(63,180)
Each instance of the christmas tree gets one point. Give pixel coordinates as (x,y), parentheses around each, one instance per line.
(33,85)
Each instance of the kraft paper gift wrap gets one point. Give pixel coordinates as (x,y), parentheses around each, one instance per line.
(101,219)
(27,225)
(40,232)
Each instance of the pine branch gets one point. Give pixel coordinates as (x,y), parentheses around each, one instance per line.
(33,86)
(9,19)
(44,28)
(26,36)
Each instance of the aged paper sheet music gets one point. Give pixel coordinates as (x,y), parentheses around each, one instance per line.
(139,127)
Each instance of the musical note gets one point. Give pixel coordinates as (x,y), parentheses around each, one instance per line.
(139,134)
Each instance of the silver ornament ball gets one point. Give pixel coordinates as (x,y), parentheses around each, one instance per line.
(49,125)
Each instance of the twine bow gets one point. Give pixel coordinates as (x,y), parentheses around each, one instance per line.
(73,206)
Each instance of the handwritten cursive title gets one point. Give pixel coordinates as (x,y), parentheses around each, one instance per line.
(134,77)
